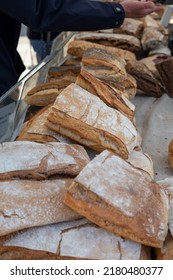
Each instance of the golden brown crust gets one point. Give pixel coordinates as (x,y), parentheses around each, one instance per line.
(86,119)
(106,93)
(125,202)
(19,253)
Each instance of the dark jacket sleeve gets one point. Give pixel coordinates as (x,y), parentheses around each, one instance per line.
(64,15)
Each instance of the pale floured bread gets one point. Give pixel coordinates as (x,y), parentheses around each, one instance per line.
(120,198)
(86,119)
(78,47)
(167,184)
(18,253)
(142,161)
(36,130)
(30,203)
(72,237)
(26,159)
(149,21)
(130,26)
(42,94)
(66,74)
(124,41)
(104,65)
(152,38)
(102,245)
(111,97)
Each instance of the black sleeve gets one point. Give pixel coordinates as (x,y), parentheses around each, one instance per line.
(64,15)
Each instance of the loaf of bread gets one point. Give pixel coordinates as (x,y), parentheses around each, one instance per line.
(152,38)
(30,203)
(71,238)
(86,119)
(36,130)
(106,93)
(26,159)
(170,154)
(167,185)
(165,69)
(126,42)
(141,160)
(130,26)
(43,94)
(18,253)
(146,81)
(104,65)
(120,198)
(66,74)
(77,48)
(166,252)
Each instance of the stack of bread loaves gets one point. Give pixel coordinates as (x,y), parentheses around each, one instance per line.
(76,183)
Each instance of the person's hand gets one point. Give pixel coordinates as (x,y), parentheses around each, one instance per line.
(138,9)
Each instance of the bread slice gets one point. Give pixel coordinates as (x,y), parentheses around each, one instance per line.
(120,198)
(30,203)
(106,93)
(26,159)
(86,119)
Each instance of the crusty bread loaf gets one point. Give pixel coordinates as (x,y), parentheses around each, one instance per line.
(66,74)
(104,65)
(130,26)
(126,42)
(106,93)
(152,38)
(36,130)
(18,253)
(30,203)
(26,159)
(146,81)
(120,198)
(141,160)
(166,252)
(78,47)
(72,238)
(86,119)
(43,94)
(165,69)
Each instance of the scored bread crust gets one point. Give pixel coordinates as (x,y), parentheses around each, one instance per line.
(26,159)
(86,119)
(116,196)
(111,97)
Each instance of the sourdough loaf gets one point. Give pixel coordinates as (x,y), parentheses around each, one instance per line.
(76,48)
(30,203)
(120,198)
(72,238)
(124,41)
(106,93)
(86,119)
(36,130)
(26,159)
(42,94)
(104,65)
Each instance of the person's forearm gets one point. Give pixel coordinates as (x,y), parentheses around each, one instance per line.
(64,15)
